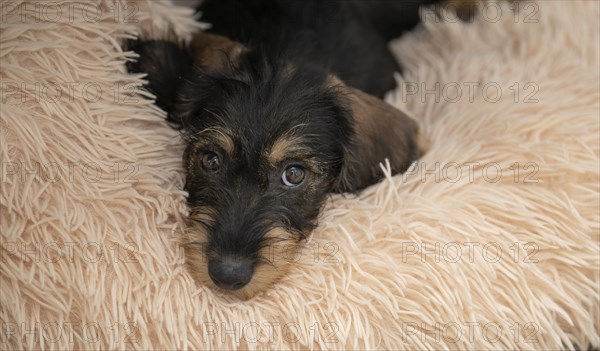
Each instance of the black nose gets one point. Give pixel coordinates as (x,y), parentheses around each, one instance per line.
(230,272)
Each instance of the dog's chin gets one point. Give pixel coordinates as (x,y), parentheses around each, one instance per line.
(273,264)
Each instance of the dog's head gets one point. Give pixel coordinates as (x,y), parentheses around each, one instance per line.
(267,140)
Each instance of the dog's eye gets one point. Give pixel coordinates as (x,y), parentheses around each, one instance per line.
(211,162)
(293,176)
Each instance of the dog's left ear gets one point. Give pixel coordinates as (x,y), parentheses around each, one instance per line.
(380,131)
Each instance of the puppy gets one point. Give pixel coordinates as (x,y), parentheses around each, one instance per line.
(279,106)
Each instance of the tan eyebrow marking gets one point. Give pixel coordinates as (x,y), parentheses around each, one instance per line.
(292,147)
(219,136)
(284,146)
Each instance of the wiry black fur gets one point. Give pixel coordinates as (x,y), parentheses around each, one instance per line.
(257,99)
(348,37)
(167,64)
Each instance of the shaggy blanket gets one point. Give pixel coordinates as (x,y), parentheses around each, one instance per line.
(491,241)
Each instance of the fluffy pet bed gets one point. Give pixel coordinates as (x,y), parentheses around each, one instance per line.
(452,255)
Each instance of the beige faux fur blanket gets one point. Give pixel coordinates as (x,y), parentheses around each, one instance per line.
(491,241)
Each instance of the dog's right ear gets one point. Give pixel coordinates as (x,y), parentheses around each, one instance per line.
(166,64)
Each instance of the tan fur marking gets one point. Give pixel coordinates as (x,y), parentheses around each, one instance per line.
(277,257)
(220,137)
(214,51)
(202,215)
(225,142)
(195,238)
(423,142)
(288,70)
(282,148)
(291,147)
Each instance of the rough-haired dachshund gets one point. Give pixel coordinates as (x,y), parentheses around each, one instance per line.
(279,105)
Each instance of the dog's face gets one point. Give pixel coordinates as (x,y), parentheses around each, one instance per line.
(267,141)
(262,155)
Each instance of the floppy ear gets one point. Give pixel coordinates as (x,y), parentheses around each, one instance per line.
(165,63)
(168,64)
(380,131)
(214,52)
